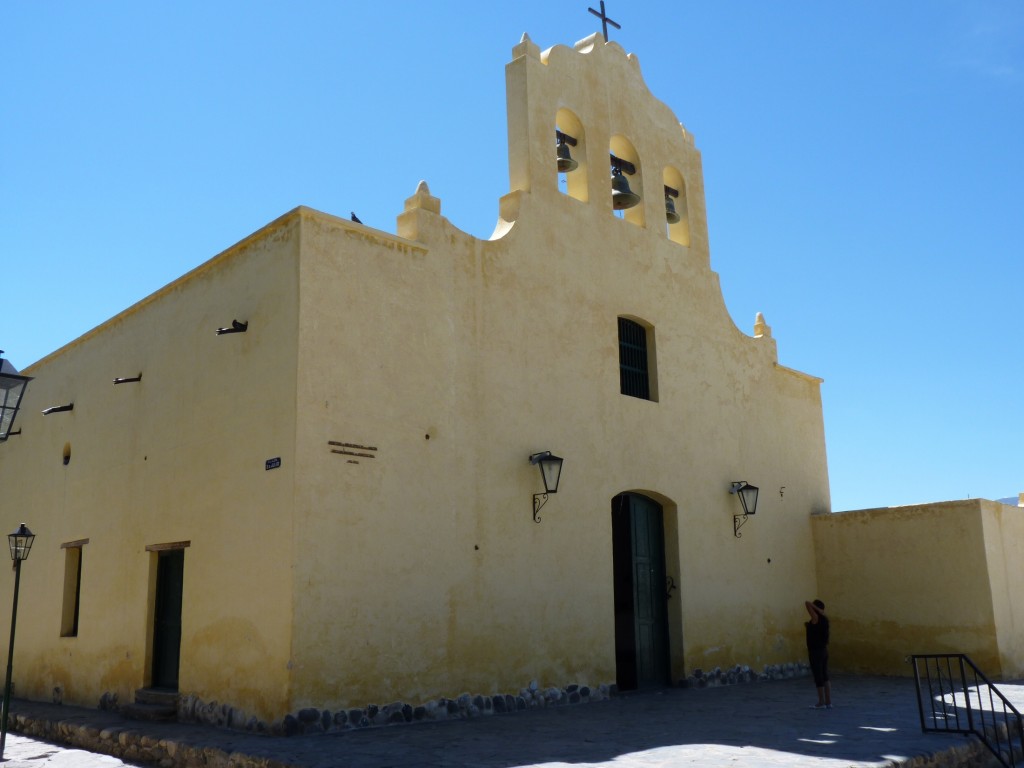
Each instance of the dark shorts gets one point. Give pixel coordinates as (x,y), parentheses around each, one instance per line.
(819,665)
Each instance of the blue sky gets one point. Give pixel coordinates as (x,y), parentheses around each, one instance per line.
(864,168)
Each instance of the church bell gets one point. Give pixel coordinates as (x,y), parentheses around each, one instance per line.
(622,196)
(566,164)
(670,210)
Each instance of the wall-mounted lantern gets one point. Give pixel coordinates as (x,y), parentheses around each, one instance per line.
(551,472)
(12,389)
(748,499)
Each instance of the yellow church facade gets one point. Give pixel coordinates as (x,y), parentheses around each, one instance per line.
(299,476)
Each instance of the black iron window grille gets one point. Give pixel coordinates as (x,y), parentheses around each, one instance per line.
(634,376)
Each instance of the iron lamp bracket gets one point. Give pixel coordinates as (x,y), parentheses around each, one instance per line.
(539,500)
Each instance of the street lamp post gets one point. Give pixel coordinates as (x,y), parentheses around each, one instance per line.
(21,544)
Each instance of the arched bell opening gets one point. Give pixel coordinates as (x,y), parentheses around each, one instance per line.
(626,181)
(677,214)
(571,155)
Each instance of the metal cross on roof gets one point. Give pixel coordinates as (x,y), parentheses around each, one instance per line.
(605,21)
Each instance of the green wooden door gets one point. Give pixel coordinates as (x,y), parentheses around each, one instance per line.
(641,615)
(167,618)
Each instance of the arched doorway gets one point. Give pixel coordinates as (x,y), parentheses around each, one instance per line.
(641,613)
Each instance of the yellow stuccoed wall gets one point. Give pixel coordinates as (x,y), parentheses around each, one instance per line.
(931,578)
(408,567)
(178,456)
(1003,528)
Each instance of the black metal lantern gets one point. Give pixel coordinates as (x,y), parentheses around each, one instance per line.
(550,469)
(21,543)
(748,500)
(12,389)
(551,472)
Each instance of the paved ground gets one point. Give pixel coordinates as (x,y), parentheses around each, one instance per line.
(874,723)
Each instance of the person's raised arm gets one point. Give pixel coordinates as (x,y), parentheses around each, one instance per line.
(813,610)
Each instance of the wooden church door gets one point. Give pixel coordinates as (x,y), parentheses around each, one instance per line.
(167,618)
(641,613)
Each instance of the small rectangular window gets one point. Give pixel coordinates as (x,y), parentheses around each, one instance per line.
(634,378)
(72,591)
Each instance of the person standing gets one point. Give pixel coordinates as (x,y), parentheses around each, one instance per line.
(817,652)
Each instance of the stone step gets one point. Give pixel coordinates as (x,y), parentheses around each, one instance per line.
(152,704)
(163,696)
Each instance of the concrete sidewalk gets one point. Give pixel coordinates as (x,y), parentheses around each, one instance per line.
(875,723)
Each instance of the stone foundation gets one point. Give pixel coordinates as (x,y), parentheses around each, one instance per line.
(744,674)
(313,720)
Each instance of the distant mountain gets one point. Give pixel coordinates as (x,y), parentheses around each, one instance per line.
(1011,500)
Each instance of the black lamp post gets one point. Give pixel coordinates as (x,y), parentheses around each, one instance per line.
(21,544)
(12,388)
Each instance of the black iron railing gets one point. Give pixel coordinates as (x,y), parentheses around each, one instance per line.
(954,696)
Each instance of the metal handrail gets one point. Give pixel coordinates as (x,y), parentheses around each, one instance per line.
(955,703)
